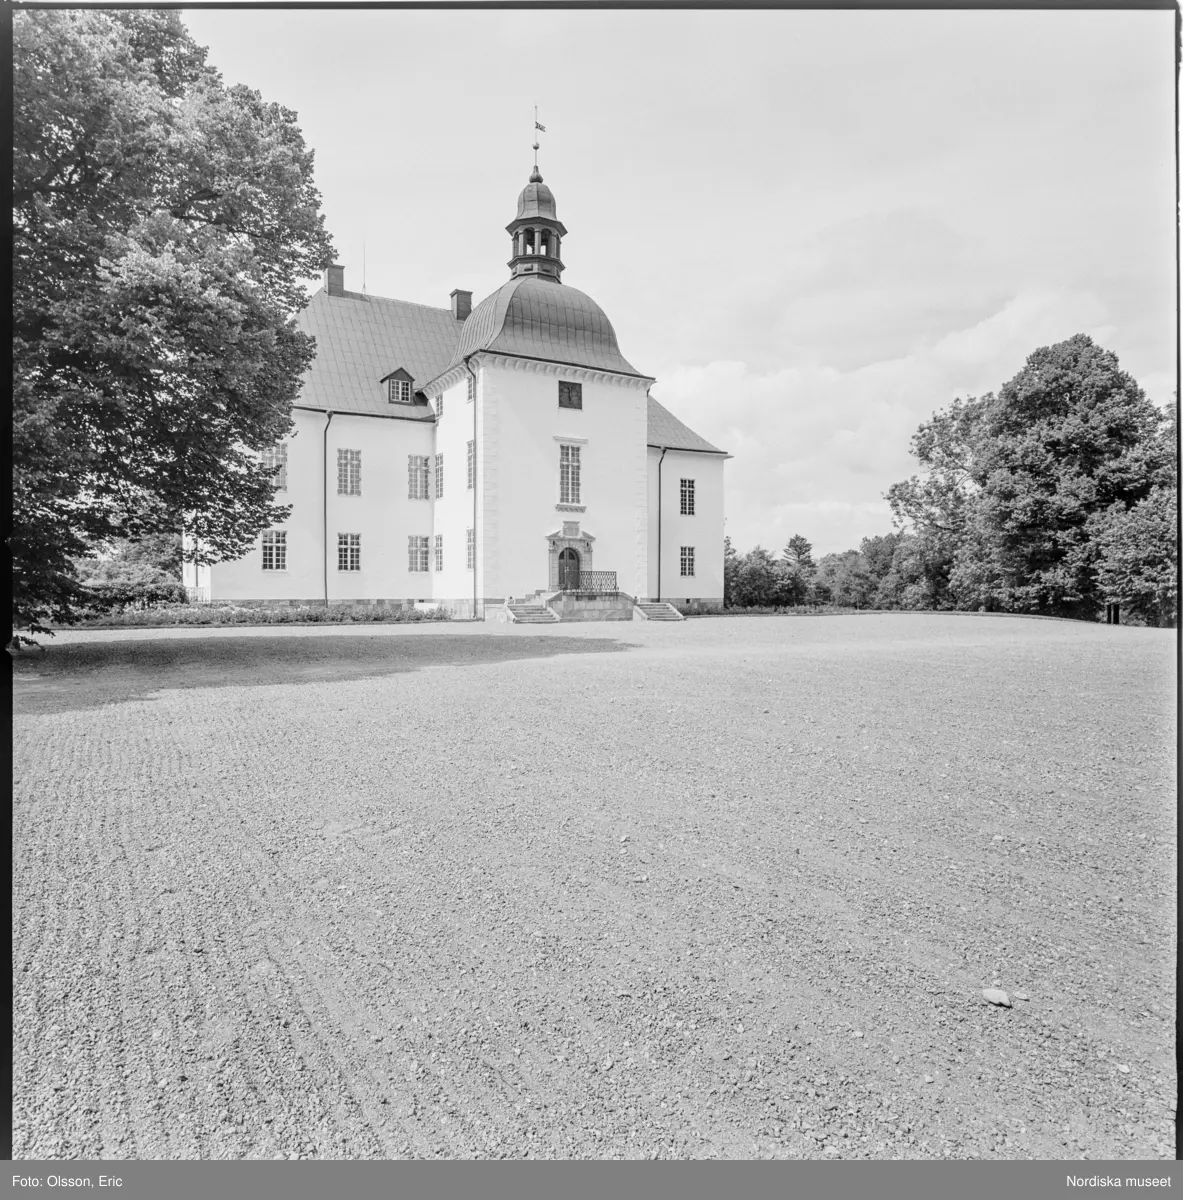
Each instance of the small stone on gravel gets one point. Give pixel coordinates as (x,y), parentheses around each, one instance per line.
(997,996)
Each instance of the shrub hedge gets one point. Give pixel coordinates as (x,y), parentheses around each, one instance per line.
(211,614)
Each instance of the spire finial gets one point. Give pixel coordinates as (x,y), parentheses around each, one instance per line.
(535,176)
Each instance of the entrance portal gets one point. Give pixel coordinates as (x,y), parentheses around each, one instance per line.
(568,570)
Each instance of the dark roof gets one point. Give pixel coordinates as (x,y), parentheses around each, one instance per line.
(665,430)
(361,339)
(540,318)
(537,200)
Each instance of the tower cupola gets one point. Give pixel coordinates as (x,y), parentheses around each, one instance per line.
(536,232)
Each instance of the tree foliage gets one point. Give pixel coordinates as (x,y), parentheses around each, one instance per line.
(162,223)
(1026,492)
(798,554)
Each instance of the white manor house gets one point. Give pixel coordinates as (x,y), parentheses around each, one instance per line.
(482,458)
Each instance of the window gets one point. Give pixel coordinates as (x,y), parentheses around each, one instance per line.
(472,464)
(418,477)
(439,476)
(470,555)
(687,560)
(439,551)
(348,472)
(569,475)
(417,553)
(277,456)
(398,391)
(570,394)
(471,389)
(687,497)
(349,552)
(275,550)
(439,407)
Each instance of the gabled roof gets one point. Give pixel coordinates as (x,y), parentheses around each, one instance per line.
(357,339)
(667,432)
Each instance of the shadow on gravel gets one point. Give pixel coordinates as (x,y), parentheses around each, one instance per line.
(71,678)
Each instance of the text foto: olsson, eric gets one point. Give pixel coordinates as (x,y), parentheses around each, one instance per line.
(66,1181)
(1111,1181)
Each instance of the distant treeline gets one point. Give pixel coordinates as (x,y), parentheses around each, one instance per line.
(1057,496)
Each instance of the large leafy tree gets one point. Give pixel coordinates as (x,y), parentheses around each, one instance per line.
(1019,484)
(162,223)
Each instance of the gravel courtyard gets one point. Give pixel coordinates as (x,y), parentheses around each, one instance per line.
(725,888)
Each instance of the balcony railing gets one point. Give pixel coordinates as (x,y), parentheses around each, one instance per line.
(600,583)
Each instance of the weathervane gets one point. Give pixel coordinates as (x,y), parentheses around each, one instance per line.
(536,127)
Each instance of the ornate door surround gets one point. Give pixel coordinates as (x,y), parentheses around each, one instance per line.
(570,537)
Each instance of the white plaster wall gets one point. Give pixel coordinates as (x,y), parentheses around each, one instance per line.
(453,511)
(520,428)
(382,515)
(703,531)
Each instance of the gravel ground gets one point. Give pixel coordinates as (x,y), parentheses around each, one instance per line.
(727,888)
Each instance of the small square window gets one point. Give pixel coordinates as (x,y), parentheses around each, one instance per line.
(687,561)
(399,391)
(570,394)
(349,552)
(687,497)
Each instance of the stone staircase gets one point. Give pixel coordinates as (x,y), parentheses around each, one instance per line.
(661,611)
(526,613)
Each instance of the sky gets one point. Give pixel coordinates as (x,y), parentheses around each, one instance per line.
(813,228)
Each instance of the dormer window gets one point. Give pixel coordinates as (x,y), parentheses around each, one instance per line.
(398,391)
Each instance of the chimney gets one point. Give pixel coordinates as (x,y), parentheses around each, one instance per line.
(461,304)
(335,280)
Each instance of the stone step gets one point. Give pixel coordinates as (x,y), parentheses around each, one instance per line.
(531,614)
(661,612)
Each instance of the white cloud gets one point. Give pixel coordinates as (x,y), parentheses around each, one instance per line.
(815,448)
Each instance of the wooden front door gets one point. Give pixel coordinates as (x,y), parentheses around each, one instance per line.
(568,570)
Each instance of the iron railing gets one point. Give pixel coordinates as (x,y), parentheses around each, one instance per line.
(600,583)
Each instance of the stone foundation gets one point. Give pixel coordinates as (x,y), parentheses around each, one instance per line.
(695,604)
(589,606)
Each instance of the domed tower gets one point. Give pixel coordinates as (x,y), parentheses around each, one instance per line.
(536,232)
